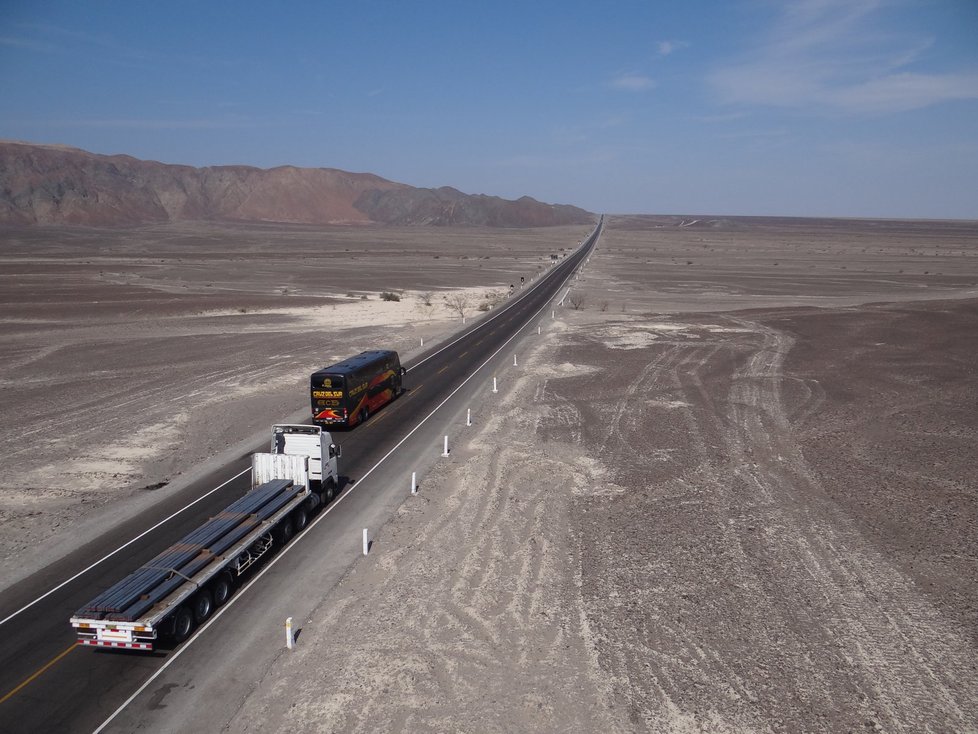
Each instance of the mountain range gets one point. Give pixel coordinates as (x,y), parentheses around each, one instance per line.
(60,185)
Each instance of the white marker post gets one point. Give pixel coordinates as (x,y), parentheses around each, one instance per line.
(289,634)
(446,451)
(553,314)
(468,416)
(494,384)
(538,329)
(422,341)
(414,482)
(514,360)
(366,542)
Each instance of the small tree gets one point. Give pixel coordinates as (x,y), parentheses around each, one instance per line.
(457,303)
(577,301)
(426,304)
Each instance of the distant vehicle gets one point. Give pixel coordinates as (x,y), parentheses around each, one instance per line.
(180,588)
(346,393)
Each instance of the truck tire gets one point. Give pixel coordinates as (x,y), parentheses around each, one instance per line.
(203,605)
(328,490)
(284,531)
(300,518)
(221,588)
(183,624)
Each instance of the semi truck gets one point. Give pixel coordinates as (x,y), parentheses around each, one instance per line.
(165,599)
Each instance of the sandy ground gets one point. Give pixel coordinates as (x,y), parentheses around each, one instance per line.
(733,491)
(133,358)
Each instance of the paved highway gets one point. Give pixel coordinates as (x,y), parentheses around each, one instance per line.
(49,684)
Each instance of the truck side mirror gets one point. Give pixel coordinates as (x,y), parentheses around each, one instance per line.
(335,450)
(403,371)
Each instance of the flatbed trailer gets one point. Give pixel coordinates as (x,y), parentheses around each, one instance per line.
(179,589)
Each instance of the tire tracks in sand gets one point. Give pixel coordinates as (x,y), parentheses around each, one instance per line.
(726,590)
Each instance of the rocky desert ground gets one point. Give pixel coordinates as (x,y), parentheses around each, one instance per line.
(133,358)
(730,488)
(732,491)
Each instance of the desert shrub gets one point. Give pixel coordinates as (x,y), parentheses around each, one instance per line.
(484,306)
(363,297)
(389,296)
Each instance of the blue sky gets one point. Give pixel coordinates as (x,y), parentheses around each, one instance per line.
(810,107)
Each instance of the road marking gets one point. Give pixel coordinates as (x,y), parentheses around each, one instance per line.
(38,672)
(298,539)
(121,547)
(443,369)
(523,294)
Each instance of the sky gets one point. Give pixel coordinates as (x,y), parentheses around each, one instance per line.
(853,108)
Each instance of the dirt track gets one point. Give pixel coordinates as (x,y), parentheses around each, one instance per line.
(760,520)
(131,357)
(733,492)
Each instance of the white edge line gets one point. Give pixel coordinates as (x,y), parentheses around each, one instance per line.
(121,547)
(241,592)
(125,545)
(501,313)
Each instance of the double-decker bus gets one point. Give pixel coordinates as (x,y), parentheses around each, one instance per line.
(346,393)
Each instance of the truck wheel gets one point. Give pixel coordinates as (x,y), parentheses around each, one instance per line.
(283,531)
(222,588)
(328,491)
(300,518)
(183,624)
(203,605)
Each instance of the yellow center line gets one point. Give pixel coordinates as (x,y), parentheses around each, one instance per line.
(443,369)
(37,673)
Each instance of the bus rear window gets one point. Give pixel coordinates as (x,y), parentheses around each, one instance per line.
(327,386)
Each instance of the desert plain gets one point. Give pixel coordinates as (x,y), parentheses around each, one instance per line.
(730,487)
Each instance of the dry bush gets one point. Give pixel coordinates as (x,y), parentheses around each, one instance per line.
(458,303)
(577,301)
(426,304)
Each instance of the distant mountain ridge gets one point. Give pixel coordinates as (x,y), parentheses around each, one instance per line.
(54,184)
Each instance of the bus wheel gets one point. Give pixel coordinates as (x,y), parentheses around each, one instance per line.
(365,415)
(183,624)
(222,588)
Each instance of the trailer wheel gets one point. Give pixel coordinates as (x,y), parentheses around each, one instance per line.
(203,605)
(183,624)
(283,531)
(222,588)
(300,518)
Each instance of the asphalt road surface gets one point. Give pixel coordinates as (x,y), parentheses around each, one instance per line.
(48,683)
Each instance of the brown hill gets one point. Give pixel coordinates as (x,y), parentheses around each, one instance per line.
(49,184)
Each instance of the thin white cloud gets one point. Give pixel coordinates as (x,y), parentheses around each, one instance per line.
(632,82)
(833,55)
(665,48)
